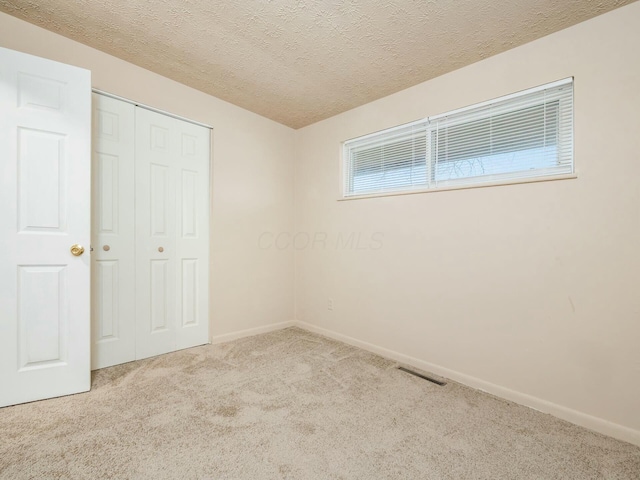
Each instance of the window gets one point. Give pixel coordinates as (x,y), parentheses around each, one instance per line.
(524,135)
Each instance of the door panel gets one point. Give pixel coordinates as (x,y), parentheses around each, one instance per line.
(155,234)
(106,280)
(159,183)
(41,193)
(172,241)
(193,235)
(160,291)
(189,210)
(45,134)
(190,290)
(41,332)
(113,274)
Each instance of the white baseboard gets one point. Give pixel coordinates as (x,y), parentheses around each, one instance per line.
(579,418)
(227,337)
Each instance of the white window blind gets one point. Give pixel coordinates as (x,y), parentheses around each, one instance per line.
(394,159)
(527,134)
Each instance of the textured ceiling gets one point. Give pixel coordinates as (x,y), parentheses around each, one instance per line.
(300,61)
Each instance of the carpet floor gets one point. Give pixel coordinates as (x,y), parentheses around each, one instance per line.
(293,405)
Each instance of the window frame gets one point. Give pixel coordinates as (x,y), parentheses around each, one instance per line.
(559,172)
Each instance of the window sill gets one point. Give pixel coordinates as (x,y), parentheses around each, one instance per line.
(549,178)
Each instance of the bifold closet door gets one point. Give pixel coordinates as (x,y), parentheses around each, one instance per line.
(113,236)
(172,203)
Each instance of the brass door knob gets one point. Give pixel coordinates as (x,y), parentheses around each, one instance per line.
(77,250)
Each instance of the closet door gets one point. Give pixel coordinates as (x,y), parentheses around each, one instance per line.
(192,246)
(156,146)
(113,258)
(172,234)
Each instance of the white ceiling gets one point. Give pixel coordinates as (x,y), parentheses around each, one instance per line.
(301,61)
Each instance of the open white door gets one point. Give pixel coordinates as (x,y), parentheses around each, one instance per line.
(45,181)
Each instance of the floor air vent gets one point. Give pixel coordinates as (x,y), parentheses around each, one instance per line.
(424,377)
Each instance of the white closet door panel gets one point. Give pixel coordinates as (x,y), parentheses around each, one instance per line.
(45,167)
(155,211)
(192,247)
(113,258)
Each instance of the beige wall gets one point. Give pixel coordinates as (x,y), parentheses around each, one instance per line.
(529,291)
(252,178)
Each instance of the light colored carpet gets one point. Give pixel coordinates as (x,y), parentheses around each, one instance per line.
(293,405)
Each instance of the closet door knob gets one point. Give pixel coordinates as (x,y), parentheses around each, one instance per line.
(106,248)
(160,249)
